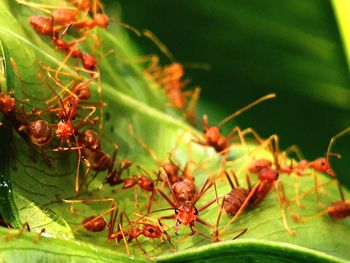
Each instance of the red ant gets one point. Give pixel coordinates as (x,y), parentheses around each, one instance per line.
(213,136)
(320,164)
(170,78)
(97,160)
(98,224)
(336,210)
(25,226)
(148,229)
(183,201)
(268,179)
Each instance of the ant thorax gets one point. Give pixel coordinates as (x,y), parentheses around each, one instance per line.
(65,129)
(186,214)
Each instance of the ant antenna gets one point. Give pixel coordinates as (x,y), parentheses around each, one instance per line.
(159,43)
(127,26)
(333,140)
(233,115)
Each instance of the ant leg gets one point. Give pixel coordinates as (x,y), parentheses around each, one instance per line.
(113,211)
(136,200)
(153,193)
(294,149)
(299,219)
(296,190)
(38,237)
(139,245)
(19,76)
(191,108)
(143,145)
(282,202)
(20,232)
(64,73)
(87,172)
(121,230)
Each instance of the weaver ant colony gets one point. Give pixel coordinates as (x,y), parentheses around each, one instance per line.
(207,202)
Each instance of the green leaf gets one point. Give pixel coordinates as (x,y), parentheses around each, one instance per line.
(37,187)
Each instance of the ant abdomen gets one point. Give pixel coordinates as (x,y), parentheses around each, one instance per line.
(82,91)
(339,209)
(234,200)
(64,16)
(42,25)
(40,133)
(100,161)
(152,231)
(94,223)
(91,140)
(184,190)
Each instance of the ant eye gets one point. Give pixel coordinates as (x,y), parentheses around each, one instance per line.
(195,211)
(151,230)
(323,163)
(70,105)
(176,211)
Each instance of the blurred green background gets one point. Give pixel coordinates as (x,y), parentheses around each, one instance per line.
(256,47)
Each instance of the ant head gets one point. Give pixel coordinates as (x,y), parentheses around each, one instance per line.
(89,62)
(101,20)
(94,223)
(212,134)
(186,214)
(7,104)
(322,165)
(259,164)
(42,24)
(91,140)
(65,129)
(146,183)
(82,90)
(152,231)
(175,69)
(268,174)
(184,190)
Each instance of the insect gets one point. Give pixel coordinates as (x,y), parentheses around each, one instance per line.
(97,160)
(336,210)
(268,175)
(171,79)
(25,226)
(129,233)
(298,168)
(213,136)
(142,226)
(183,200)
